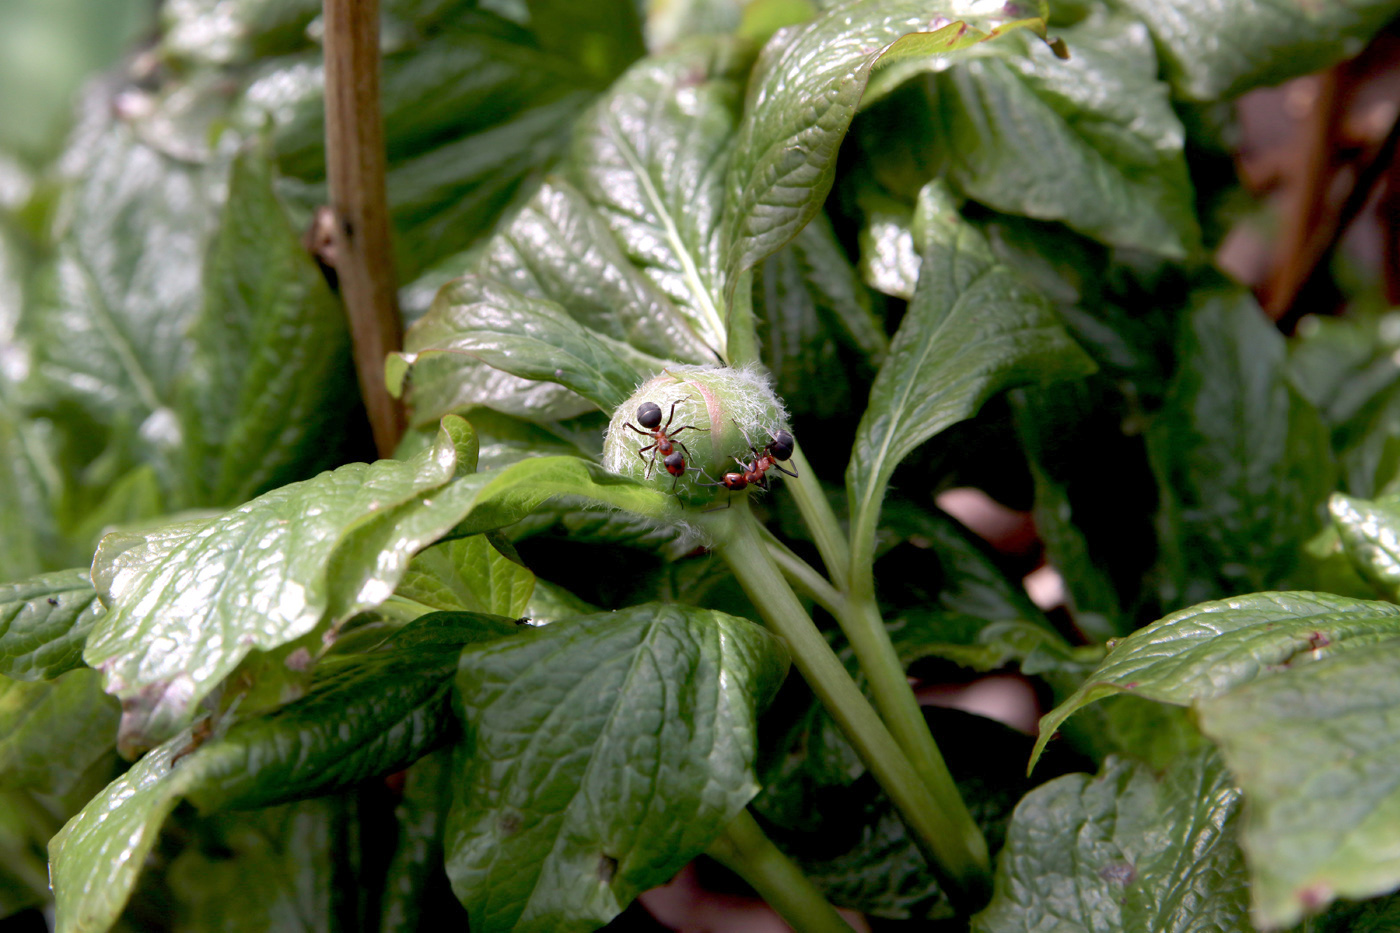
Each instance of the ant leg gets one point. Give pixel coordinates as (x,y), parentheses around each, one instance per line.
(779,468)
(687,427)
(667,428)
(720,508)
(649,461)
(628,424)
(683,447)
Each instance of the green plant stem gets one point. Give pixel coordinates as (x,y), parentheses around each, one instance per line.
(741,334)
(860,620)
(821,519)
(746,851)
(803,575)
(858,614)
(962,868)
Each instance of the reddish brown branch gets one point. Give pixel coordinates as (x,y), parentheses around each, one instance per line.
(355,159)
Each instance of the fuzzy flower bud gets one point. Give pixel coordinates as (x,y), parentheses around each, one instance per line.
(715,415)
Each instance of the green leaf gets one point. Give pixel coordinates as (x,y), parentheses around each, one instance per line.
(125,286)
(476,77)
(26,494)
(796,305)
(509,495)
(44,623)
(945,567)
(561,820)
(808,299)
(804,93)
(368,715)
(1126,851)
(603,37)
(1091,141)
(559,248)
(652,155)
(971,331)
(24,830)
(526,337)
(1051,422)
(451,383)
(208,32)
(190,601)
(52,732)
(468,574)
(271,384)
(889,260)
(95,860)
(1211,649)
(1316,752)
(422,818)
(1242,460)
(1227,48)
(283,868)
(447,199)
(1367,530)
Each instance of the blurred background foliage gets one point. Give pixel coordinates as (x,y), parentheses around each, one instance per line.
(47,49)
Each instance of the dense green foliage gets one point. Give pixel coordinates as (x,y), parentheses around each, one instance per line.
(970,242)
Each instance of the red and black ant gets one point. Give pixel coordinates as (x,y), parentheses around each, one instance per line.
(663,439)
(779,448)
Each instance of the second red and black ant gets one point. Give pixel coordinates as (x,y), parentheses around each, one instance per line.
(663,439)
(754,473)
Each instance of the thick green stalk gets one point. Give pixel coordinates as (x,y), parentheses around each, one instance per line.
(746,851)
(802,575)
(741,332)
(963,867)
(860,620)
(821,520)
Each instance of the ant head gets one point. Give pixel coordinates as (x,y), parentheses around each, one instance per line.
(675,463)
(781,446)
(649,414)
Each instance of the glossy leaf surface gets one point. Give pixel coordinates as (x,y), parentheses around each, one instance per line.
(468,574)
(1223,49)
(367,715)
(126,284)
(526,337)
(52,732)
(190,601)
(561,820)
(1091,140)
(1316,751)
(1242,459)
(1368,531)
(558,247)
(972,330)
(44,623)
(1124,851)
(652,155)
(1211,649)
(271,385)
(802,97)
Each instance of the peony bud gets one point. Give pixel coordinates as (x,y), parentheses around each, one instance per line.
(716,416)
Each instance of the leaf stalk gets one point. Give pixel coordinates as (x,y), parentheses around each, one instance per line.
(745,850)
(961,865)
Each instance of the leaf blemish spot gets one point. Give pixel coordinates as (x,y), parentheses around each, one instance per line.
(607,869)
(509,825)
(1315,896)
(1119,873)
(52,601)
